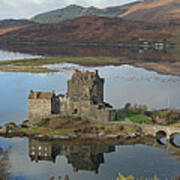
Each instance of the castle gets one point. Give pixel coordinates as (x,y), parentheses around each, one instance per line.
(84,99)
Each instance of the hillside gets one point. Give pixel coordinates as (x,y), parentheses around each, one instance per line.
(147,10)
(90,29)
(74,11)
(11,24)
(153,10)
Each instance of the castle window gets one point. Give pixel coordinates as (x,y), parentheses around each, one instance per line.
(100,106)
(75,111)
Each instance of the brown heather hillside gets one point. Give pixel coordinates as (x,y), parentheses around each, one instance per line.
(153,10)
(3,31)
(11,25)
(90,29)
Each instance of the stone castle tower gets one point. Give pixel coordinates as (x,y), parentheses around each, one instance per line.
(86,86)
(84,98)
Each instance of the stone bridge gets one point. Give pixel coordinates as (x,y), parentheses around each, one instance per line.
(156,130)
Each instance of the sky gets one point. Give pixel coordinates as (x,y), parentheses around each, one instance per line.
(17,9)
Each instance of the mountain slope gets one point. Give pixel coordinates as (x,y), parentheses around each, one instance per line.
(146,10)
(153,10)
(74,11)
(11,24)
(89,29)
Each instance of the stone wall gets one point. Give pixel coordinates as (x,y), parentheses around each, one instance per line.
(73,107)
(39,109)
(86,110)
(102,115)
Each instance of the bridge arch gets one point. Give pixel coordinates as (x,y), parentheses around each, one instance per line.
(172,139)
(160,134)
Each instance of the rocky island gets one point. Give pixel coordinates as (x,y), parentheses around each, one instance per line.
(81,113)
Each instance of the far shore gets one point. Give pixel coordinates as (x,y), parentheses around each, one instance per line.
(36,65)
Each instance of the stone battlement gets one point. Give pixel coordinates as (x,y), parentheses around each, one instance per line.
(78,75)
(40,95)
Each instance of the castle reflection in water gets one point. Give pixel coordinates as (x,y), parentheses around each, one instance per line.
(81,157)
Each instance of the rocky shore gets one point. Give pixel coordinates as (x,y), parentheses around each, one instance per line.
(11,130)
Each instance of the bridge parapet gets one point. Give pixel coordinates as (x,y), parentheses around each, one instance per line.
(154,129)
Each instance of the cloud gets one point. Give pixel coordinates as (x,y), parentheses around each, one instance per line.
(29,8)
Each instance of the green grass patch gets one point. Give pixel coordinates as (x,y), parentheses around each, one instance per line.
(130,177)
(119,117)
(56,60)
(138,118)
(134,117)
(34,65)
(176,124)
(175,40)
(60,132)
(43,122)
(25,69)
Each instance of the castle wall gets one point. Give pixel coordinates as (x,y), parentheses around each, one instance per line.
(75,107)
(85,110)
(103,115)
(39,109)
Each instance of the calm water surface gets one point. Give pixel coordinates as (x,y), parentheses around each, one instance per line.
(92,162)
(7,55)
(122,84)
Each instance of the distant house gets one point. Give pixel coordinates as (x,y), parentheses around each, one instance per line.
(159,45)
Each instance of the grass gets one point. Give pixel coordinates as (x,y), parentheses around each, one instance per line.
(176,41)
(25,69)
(35,65)
(134,117)
(121,177)
(138,118)
(56,60)
(176,124)
(60,132)
(43,122)
(60,126)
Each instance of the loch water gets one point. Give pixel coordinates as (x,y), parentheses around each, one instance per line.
(91,161)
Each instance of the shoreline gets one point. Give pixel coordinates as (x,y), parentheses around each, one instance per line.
(36,65)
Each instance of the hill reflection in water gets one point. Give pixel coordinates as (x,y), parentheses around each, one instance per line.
(92,51)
